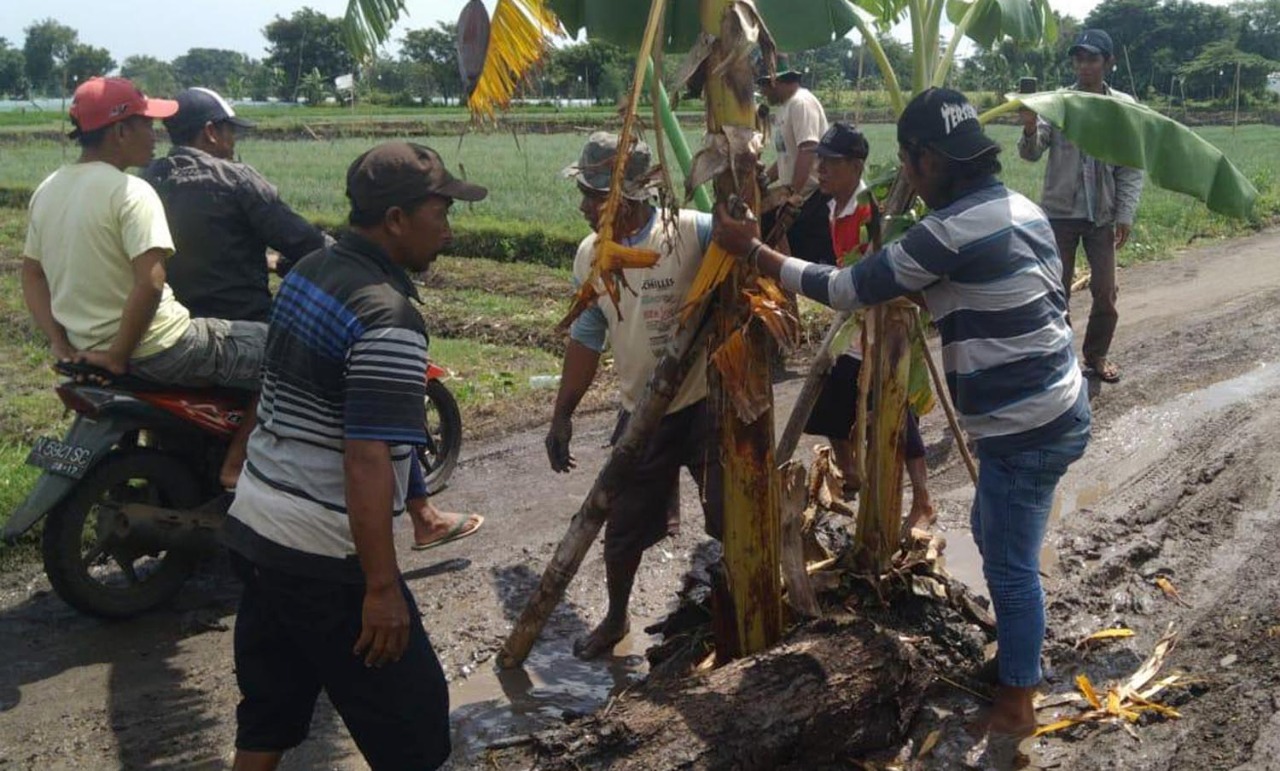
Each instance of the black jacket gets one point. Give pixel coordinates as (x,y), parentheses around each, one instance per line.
(223,215)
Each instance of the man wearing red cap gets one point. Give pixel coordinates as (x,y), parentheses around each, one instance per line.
(93,273)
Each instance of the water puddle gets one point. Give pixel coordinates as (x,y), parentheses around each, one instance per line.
(1135,442)
(494,704)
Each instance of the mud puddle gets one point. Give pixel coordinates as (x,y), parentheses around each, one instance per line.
(494,705)
(1137,441)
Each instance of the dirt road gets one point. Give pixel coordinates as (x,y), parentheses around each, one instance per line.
(1179,482)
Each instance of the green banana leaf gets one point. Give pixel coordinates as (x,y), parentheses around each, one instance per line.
(1125,133)
(796,25)
(1025,20)
(920,383)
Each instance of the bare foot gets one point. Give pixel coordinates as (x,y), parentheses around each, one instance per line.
(922,516)
(1012,712)
(601,640)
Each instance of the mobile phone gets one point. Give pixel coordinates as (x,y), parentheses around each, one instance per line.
(1028,86)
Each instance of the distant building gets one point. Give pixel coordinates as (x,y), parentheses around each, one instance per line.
(1273,82)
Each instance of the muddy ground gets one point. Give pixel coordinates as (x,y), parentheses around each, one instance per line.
(1179,482)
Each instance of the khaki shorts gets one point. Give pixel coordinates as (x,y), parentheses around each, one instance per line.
(212,352)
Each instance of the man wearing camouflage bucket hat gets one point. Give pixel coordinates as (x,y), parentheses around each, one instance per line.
(647,509)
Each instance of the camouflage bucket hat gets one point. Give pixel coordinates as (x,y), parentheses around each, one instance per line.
(594,167)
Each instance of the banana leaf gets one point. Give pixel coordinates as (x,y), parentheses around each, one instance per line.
(1125,133)
(1024,20)
(796,25)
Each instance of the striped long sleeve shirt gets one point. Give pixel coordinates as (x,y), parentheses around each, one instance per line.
(989,270)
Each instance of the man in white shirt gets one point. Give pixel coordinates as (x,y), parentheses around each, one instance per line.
(801,123)
(647,509)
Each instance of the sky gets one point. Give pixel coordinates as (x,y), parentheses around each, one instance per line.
(168,28)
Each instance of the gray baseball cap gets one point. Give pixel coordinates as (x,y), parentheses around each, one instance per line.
(594,168)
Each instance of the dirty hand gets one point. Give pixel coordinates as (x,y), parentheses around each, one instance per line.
(1122,234)
(775,196)
(735,236)
(384,626)
(1028,121)
(562,461)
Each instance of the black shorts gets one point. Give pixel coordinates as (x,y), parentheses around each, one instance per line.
(647,509)
(836,409)
(294,637)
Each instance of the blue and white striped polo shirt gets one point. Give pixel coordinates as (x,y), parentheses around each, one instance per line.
(346,358)
(989,269)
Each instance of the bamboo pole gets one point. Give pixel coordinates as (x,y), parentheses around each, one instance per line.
(752,584)
(810,390)
(948,408)
(675,136)
(668,374)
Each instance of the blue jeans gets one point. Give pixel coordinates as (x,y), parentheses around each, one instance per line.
(1009,518)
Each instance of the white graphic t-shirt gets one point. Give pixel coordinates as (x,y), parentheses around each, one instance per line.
(650,313)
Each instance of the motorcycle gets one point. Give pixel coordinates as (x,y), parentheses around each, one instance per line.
(131,496)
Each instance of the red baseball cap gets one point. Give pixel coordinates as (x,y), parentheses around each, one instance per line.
(99,102)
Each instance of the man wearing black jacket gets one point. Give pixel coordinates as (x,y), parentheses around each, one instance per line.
(223,214)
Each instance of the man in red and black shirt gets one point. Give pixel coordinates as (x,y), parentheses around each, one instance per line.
(842,155)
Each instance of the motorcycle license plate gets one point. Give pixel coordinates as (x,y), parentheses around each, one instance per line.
(58,457)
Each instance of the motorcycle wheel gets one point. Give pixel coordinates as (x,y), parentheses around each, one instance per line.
(439,455)
(95,570)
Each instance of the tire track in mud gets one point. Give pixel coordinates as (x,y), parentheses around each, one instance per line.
(1204,516)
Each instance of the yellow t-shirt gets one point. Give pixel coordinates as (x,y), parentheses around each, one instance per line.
(88,222)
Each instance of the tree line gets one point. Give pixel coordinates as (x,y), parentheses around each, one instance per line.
(1177,49)
(1172,48)
(304,54)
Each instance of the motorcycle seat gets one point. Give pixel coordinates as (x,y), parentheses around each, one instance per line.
(135,384)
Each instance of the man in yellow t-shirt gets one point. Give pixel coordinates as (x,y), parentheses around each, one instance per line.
(93,272)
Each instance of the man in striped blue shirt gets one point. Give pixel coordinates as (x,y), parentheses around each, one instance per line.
(343,382)
(985,260)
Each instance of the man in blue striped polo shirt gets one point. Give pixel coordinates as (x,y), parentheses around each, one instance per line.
(985,260)
(343,382)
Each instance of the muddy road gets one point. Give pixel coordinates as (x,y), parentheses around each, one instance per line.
(1179,482)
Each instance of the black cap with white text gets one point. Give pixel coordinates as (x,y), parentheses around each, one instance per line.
(944,120)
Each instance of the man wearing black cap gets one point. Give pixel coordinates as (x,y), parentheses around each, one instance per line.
(343,382)
(986,262)
(223,214)
(1087,201)
(842,155)
(801,122)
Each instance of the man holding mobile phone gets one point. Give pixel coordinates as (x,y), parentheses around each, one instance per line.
(1087,201)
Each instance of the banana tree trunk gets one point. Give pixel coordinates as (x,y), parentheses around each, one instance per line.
(880,501)
(880,465)
(752,534)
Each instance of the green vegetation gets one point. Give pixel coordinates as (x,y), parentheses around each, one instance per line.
(492,320)
(531,214)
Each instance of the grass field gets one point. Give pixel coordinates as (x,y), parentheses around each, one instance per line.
(522,174)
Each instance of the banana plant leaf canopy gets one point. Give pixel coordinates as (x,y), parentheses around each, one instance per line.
(796,25)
